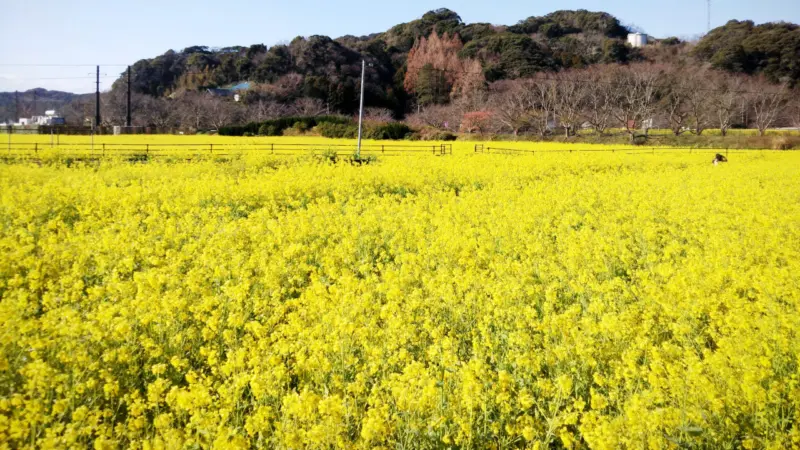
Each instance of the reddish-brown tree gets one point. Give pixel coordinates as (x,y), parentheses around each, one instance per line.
(476,122)
(440,53)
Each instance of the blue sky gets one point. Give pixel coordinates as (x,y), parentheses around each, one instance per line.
(102,32)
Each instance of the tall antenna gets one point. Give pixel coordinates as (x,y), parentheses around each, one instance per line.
(708,17)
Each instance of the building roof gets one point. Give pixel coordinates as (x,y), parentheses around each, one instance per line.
(240,87)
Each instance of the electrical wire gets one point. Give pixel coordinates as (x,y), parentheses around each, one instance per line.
(62,65)
(55,78)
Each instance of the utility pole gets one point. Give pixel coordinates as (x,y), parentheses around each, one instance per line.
(361,108)
(16,106)
(128,119)
(97,101)
(708,16)
(34,103)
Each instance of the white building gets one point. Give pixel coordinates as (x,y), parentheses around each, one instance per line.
(637,40)
(49,118)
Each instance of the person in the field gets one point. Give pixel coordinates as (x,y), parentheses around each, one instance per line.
(718,159)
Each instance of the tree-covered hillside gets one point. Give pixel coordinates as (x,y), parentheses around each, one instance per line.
(329,69)
(326,71)
(772,49)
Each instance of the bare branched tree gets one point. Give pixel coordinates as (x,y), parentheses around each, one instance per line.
(544,105)
(674,102)
(511,102)
(477,101)
(599,105)
(726,99)
(444,117)
(192,111)
(698,87)
(262,110)
(765,100)
(77,111)
(794,109)
(157,112)
(570,96)
(306,106)
(114,107)
(635,98)
(220,111)
(378,115)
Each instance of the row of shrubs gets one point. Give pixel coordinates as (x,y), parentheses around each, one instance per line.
(276,127)
(335,127)
(382,131)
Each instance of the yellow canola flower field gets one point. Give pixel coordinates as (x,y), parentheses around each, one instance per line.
(468,301)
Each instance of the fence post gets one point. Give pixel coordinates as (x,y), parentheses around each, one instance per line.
(272,148)
(147,148)
(433,147)
(383,149)
(211,148)
(36,148)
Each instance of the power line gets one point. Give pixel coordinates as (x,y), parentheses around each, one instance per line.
(54,78)
(59,65)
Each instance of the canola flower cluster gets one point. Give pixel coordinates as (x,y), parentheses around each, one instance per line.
(474,301)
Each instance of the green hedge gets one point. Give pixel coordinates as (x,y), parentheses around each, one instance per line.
(327,126)
(384,131)
(338,130)
(391,131)
(275,127)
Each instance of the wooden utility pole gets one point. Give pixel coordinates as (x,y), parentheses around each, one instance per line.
(128,118)
(97,101)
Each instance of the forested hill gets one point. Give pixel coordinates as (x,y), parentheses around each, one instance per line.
(771,48)
(14,105)
(328,70)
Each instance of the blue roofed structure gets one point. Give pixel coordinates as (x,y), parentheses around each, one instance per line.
(240,87)
(230,91)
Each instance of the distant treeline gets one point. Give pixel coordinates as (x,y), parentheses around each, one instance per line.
(326,126)
(276,127)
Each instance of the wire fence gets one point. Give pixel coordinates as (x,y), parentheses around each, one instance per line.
(211,149)
(481,148)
